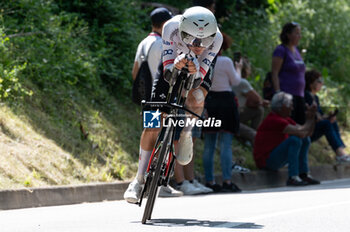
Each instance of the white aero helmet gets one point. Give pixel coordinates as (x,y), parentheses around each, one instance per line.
(198,27)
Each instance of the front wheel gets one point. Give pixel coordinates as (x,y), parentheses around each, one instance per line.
(155,176)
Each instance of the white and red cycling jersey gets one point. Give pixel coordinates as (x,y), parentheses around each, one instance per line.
(174,46)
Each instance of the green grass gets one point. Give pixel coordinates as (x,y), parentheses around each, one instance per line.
(67,137)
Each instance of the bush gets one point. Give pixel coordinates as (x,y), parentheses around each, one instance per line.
(115,29)
(75,43)
(324,37)
(9,80)
(49,48)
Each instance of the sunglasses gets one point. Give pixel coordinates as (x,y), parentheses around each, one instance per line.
(196,42)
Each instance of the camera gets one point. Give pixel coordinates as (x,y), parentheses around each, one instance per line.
(237,56)
(334,113)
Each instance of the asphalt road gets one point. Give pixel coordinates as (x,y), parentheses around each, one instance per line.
(313,208)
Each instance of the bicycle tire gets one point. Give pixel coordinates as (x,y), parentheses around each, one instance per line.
(152,192)
(153,188)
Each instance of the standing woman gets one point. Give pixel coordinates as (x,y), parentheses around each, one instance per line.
(288,69)
(220,104)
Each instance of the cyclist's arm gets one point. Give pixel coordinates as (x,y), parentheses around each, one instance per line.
(209,54)
(169,45)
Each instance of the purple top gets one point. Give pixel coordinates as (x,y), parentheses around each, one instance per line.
(291,75)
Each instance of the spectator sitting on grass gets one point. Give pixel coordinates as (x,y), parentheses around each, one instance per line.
(251,105)
(326,124)
(280,141)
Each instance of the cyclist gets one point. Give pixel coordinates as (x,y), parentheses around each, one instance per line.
(194,33)
(152,45)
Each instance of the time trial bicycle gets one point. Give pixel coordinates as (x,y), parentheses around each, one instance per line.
(161,164)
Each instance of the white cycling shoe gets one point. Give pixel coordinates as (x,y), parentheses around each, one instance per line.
(133,192)
(185,151)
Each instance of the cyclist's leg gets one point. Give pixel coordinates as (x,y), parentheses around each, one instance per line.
(147,141)
(178,168)
(196,97)
(149,135)
(194,102)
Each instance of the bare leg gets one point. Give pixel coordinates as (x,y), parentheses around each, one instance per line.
(178,169)
(148,138)
(258,117)
(246,132)
(184,172)
(195,100)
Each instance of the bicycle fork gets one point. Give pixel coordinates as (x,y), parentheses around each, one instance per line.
(166,171)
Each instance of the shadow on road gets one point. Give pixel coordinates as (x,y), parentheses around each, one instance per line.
(204,223)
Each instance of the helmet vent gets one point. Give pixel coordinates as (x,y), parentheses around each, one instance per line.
(206,24)
(195,24)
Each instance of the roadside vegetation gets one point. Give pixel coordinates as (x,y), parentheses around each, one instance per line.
(65,111)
